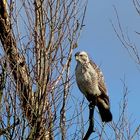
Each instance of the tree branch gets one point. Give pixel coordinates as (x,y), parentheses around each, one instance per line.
(22,79)
(3,131)
(91,123)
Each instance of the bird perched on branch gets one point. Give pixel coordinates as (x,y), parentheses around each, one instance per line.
(3,11)
(91,83)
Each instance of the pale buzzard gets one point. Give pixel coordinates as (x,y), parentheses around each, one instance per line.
(91,83)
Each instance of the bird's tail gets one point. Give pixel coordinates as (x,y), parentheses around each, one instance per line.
(104,110)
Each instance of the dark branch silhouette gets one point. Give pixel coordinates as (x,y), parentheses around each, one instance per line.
(91,123)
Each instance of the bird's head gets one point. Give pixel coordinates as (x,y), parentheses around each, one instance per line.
(82,57)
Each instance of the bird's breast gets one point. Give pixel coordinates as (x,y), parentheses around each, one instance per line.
(85,74)
(87,80)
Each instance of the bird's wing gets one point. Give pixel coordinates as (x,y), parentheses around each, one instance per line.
(101,81)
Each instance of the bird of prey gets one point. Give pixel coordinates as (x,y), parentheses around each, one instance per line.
(91,83)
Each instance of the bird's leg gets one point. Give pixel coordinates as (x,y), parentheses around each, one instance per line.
(93,102)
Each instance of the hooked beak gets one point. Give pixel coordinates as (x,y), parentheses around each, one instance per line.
(77,55)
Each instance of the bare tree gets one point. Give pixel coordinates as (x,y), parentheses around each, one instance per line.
(37,40)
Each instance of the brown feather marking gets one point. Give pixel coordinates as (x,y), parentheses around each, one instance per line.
(101,82)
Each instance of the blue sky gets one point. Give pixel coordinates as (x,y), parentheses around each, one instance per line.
(100,41)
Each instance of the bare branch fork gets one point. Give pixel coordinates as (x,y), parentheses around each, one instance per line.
(91,122)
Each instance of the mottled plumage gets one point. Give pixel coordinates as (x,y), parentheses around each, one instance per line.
(91,83)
